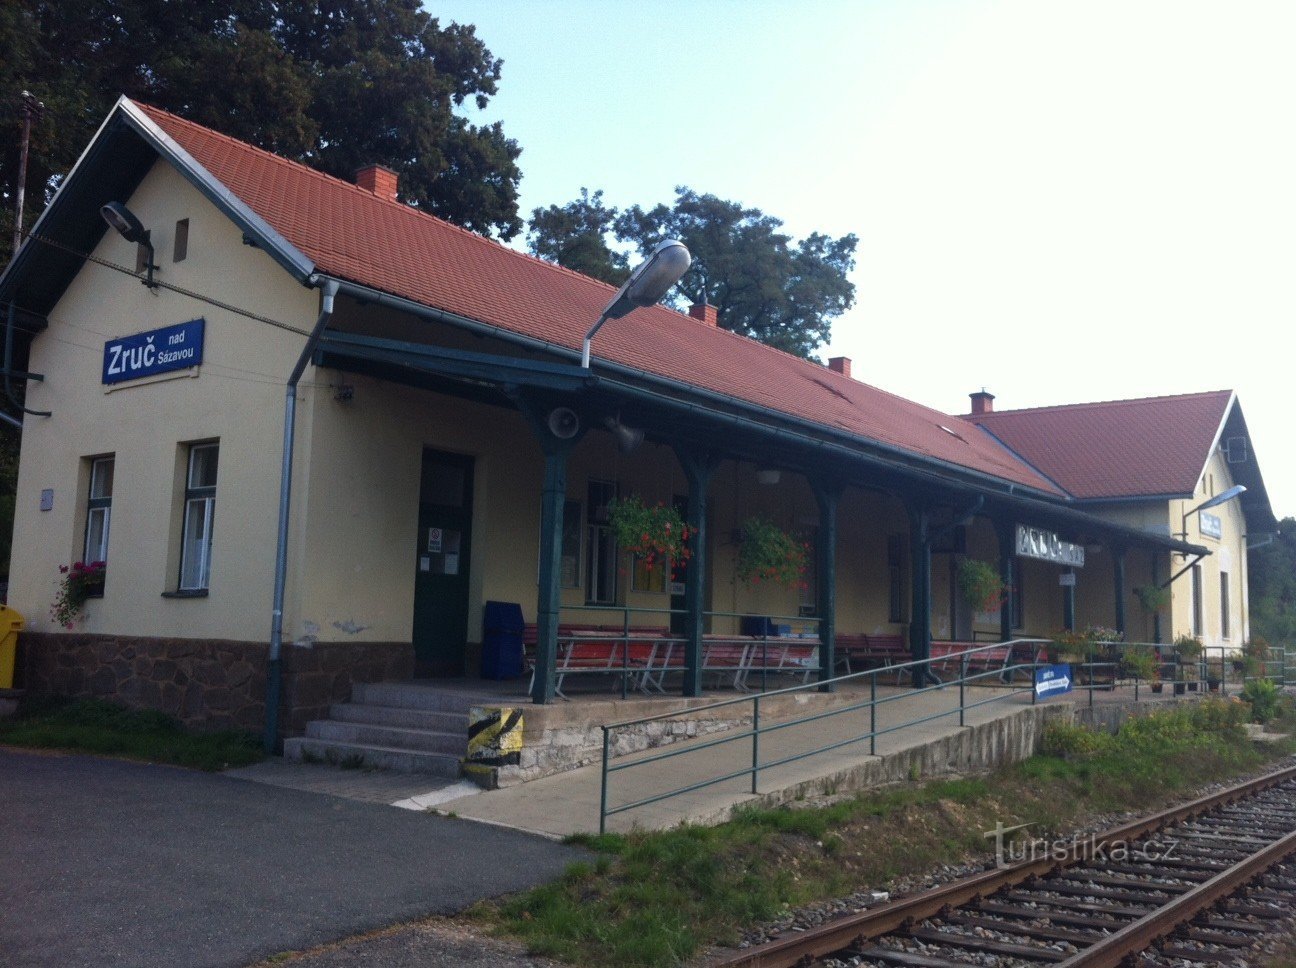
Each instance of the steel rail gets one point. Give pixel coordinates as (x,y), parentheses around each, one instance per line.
(1143,933)
(857,929)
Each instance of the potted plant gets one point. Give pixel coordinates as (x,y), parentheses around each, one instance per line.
(768,553)
(656,533)
(1140,662)
(980,585)
(80,582)
(1188,650)
(1070,647)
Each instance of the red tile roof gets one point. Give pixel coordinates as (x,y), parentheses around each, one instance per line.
(352,234)
(1116,449)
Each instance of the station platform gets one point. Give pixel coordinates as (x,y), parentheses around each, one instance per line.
(995,733)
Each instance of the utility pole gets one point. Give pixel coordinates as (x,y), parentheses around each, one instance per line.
(31,110)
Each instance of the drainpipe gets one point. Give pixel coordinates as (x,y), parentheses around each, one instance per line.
(274,678)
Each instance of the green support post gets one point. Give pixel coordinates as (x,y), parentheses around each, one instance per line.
(1007,557)
(1118,576)
(1068,604)
(698,466)
(553,497)
(920,617)
(827,496)
(1156,582)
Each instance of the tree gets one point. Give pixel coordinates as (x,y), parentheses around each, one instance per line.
(575,236)
(336,84)
(763,285)
(1273,587)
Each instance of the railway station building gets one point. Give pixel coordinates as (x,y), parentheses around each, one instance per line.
(449,450)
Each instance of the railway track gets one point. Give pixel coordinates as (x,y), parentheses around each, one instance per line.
(1201,883)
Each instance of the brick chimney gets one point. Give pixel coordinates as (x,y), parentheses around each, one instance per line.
(982,402)
(705,313)
(380,180)
(840,364)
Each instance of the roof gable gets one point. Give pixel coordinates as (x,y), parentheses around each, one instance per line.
(1152,447)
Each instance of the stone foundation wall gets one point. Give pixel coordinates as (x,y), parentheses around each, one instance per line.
(553,749)
(205,683)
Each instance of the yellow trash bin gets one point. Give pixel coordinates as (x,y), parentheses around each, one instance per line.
(11,624)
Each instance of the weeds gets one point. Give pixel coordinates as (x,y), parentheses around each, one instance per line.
(95,726)
(657,898)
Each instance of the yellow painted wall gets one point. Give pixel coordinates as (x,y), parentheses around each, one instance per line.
(237,397)
(1228,556)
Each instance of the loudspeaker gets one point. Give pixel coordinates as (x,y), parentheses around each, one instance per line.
(564,423)
(627,438)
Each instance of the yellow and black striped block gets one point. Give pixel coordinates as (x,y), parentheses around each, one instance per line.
(494,736)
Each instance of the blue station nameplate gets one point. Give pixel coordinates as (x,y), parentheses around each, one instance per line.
(158,351)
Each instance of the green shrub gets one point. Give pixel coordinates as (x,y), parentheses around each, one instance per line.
(1072,742)
(1262,694)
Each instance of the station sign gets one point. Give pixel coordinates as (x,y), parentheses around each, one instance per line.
(1211,525)
(1047,546)
(158,351)
(1052,680)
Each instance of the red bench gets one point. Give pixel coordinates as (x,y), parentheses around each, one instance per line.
(871,651)
(598,648)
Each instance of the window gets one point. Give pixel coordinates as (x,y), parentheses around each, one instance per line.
(645,577)
(1197,601)
(181,241)
(601,550)
(199,506)
(1224,604)
(98,509)
(896,554)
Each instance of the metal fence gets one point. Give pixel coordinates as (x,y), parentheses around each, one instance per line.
(1103,668)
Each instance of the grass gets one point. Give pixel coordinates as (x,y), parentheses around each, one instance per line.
(659,898)
(95,726)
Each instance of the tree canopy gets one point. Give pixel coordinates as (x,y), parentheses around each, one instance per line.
(1273,587)
(762,284)
(336,84)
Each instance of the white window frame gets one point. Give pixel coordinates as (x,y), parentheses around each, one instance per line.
(99,506)
(197,496)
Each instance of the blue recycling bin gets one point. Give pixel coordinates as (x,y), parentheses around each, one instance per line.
(502,627)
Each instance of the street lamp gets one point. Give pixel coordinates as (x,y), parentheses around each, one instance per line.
(121,218)
(1237,490)
(646,286)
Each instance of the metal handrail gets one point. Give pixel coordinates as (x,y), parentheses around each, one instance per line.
(964,658)
(1204,665)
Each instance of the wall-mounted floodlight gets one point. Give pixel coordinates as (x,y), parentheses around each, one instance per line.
(1237,490)
(121,218)
(646,286)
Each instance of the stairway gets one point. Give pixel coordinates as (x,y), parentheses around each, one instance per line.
(399,726)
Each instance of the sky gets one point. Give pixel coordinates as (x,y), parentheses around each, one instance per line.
(1057,201)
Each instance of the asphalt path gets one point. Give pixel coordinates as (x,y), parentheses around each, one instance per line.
(105,863)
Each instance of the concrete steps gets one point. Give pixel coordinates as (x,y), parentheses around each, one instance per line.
(305,750)
(395,726)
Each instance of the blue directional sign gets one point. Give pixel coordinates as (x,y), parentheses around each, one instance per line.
(158,351)
(1052,680)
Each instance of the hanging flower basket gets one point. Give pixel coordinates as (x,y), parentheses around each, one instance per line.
(1153,598)
(980,584)
(80,581)
(658,534)
(768,553)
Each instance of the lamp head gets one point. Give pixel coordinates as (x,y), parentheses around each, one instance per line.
(651,279)
(1235,491)
(121,218)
